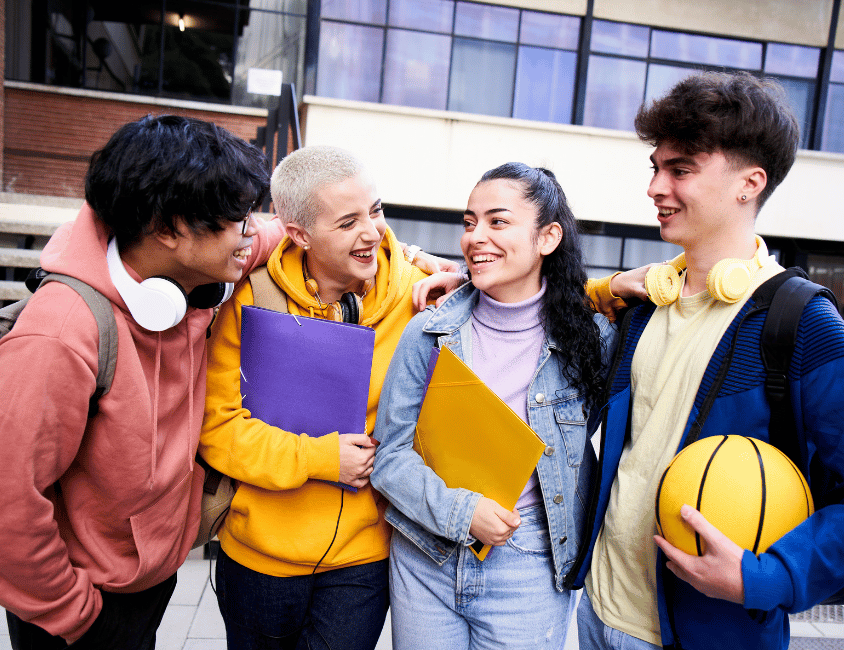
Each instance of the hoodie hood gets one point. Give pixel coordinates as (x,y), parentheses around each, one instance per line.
(78,249)
(392,280)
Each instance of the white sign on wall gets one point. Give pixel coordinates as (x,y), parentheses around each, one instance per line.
(263,82)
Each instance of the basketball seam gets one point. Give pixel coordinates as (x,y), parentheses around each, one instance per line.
(764,496)
(700,488)
(658,494)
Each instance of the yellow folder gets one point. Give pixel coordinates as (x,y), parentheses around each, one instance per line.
(471,439)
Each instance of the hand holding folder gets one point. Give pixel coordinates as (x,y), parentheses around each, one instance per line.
(470,438)
(305,375)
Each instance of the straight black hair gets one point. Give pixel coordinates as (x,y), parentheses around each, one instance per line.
(159,168)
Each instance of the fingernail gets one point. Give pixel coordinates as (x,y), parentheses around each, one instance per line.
(686,511)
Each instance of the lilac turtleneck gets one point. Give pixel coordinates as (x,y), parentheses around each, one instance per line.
(506,342)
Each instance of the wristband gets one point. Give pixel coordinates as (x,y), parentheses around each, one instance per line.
(411,252)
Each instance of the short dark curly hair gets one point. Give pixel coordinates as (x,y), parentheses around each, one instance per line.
(745,118)
(159,168)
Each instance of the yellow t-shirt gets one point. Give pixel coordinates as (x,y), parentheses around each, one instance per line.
(668,366)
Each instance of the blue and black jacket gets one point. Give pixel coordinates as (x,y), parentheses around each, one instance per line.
(804,567)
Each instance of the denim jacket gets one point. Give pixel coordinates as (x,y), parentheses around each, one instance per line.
(437,518)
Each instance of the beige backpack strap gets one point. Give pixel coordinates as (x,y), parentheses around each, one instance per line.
(266,292)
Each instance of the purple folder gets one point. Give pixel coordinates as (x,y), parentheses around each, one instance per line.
(305,375)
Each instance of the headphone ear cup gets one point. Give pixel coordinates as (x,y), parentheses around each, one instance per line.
(161,306)
(350,303)
(662,284)
(729,280)
(206,296)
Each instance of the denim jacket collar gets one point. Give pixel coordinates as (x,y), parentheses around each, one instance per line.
(457,310)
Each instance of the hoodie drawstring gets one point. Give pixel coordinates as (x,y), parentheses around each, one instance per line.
(192,383)
(155,397)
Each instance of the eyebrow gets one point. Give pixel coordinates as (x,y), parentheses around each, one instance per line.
(354,214)
(493,211)
(677,160)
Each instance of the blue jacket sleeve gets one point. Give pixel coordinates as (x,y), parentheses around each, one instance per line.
(806,566)
(399,473)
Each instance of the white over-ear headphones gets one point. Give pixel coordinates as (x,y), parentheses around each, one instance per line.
(159,303)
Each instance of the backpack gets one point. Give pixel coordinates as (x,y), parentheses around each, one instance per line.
(99,305)
(217,488)
(785,296)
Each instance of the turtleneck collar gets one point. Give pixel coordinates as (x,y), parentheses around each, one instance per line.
(510,316)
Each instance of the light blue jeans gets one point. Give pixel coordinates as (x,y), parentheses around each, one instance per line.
(594,634)
(506,601)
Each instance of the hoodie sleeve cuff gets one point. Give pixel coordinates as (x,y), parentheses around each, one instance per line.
(323,456)
(602,297)
(767,584)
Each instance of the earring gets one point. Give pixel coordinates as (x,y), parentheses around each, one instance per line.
(744,197)
(306,247)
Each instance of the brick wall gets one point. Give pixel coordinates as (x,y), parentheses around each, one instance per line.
(50,136)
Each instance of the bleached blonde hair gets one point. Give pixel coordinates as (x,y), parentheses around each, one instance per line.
(299,178)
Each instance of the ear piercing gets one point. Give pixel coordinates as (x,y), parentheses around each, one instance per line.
(744,197)
(307,247)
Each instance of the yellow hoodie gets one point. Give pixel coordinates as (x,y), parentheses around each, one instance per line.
(281,523)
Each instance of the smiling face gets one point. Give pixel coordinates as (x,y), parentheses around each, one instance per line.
(204,257)
(698,198)
(501,244)
(344,238)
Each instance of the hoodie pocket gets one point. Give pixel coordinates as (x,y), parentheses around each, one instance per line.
(159,532)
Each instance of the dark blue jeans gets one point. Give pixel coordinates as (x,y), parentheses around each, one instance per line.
(342,609)
(127,621)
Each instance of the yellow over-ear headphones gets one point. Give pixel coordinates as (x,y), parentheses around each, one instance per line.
(727,281)
(349,309)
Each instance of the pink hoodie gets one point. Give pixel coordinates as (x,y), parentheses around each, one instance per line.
(128,506)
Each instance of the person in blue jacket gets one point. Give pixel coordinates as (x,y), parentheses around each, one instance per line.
(723,144)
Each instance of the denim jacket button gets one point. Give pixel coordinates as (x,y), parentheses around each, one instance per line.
(558,498)
(539,398)
(549,451)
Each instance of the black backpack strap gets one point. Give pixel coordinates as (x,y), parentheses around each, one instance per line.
(792,293)
(100,306)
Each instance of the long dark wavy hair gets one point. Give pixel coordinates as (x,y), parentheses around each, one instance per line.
(566,311)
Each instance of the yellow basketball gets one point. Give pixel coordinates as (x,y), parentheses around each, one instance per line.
(746,488)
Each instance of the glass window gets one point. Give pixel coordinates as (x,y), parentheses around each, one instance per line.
(792,60)
(550,30)
(661,78)
(196,62)
(545,84)
(364,11)
(801,98)
(350,61)
(638,252)
(433,15)
(706,49)
(270,41)
(482,77)
(837,72)
(601,251)
(487,21)
(833,123)
(620,38)
(415,69)
(614,91)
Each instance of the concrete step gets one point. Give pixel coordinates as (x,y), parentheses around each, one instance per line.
(13,290)
(22,227)
(21,258)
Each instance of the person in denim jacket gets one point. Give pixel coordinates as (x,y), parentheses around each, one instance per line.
(525,326)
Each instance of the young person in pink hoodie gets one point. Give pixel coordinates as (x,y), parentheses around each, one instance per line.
(97,514)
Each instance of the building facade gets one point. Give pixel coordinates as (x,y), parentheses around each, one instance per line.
(431,93)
